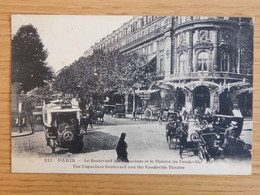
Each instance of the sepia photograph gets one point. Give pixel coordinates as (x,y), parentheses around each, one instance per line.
(132,94)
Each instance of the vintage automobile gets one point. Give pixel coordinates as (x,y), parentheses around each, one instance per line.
(209,142)
(155,112)
(61,126)
(119,111)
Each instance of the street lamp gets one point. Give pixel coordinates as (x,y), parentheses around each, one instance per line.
(133,99)
(20,105)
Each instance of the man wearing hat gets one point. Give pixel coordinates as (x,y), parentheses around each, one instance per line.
(230,138)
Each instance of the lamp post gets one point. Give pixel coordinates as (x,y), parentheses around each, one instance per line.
(20,106)
(133,99)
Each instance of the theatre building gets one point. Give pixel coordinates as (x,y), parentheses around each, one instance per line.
(199,62)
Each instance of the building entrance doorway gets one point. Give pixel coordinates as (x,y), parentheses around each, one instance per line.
(180,100)
(225,103)
(201,98)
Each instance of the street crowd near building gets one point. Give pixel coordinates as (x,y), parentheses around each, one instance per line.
(198,62)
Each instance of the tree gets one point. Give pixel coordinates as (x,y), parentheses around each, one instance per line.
(29,65)
(104,73)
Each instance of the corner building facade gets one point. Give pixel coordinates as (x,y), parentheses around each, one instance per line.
(199,62)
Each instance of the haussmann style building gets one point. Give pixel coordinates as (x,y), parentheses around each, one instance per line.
(199,62)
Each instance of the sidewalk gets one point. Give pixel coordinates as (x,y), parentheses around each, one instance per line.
(25,131)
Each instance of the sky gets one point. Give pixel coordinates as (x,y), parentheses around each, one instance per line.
(66,38)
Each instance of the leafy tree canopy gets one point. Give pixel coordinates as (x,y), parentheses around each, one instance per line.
(104,73)
(29,65)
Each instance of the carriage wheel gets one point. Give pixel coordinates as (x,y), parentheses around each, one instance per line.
(204,124)
(194,137)
(148,113)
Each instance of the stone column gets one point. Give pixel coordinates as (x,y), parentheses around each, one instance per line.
(190,69)
(189,100)
(215,49)
(238,47)
(158,65)
(167,53)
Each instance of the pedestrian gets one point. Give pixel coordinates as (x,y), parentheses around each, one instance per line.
(121,149)
(134,115)
(160,118)
(84,124)
(91,116)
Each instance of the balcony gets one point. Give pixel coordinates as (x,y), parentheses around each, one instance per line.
(209,75)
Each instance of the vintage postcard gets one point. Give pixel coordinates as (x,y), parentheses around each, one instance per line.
(132,94)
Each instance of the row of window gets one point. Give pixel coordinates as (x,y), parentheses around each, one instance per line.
(131,29)
(144,20)
(203,62)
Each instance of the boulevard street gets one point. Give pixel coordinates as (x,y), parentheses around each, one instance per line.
(145,139)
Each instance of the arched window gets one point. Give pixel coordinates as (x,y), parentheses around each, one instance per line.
(203,61)
(225,61)
(182,63)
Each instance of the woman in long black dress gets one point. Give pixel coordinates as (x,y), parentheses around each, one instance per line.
(121,149)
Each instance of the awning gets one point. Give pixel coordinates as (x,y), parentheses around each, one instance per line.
(237,86)
(149,91)
(248,90)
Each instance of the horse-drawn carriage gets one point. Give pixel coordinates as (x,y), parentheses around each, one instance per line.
(218,141)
